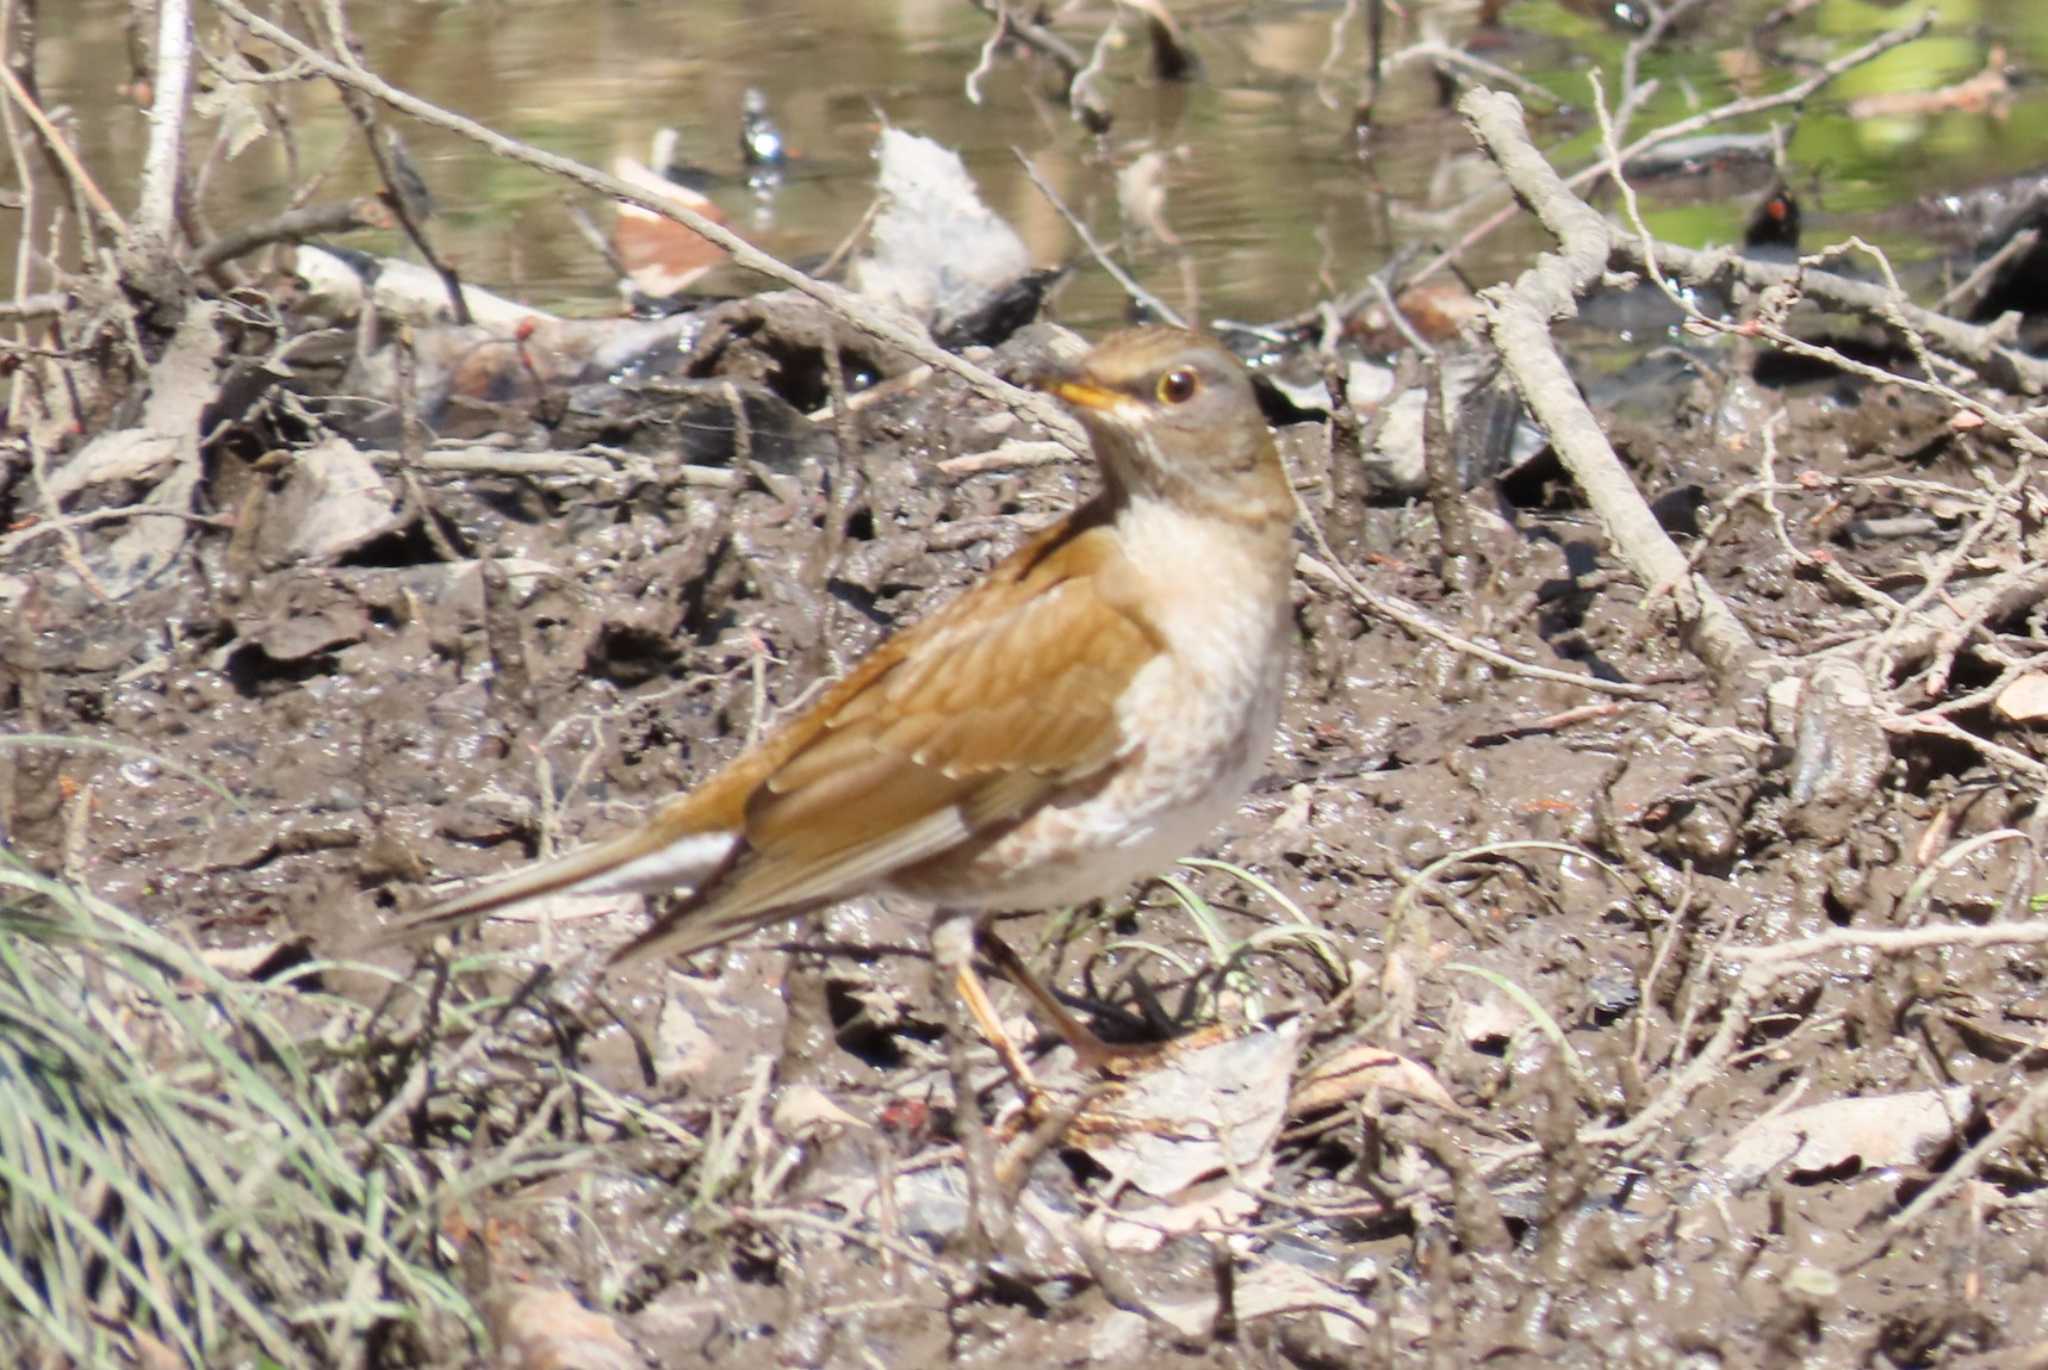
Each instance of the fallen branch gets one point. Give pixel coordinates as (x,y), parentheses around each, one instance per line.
(494,462)
(1791,97)
(291,226)
(1984,348)
(1519,317)
(1892,941)
(1010,456)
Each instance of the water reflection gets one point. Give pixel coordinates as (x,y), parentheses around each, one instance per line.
(1269,202)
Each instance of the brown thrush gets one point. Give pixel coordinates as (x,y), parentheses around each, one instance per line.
(1079,719)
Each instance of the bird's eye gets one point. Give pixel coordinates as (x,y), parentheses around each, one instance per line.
(1178,386)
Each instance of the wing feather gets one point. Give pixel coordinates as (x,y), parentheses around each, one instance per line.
(982,713)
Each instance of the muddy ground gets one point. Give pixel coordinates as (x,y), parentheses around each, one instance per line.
(385,724)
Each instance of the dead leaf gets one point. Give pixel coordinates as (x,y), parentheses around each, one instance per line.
(1357,1071)
(128,454)
(309,615)
(1874,1131)
(1144,1223)
(1491,1020)
(1214,1108)
(333,502)
(803,1113)
(237,108)
(2025,700)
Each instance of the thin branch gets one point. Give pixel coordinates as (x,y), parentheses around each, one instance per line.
(1330,571)
(64,154)
(1793,95)
(1891,941)
(64,524)
(37,306)
(1518,318)
(1983,348)
(157,209)
(294,225)
(1123,278)
(2010,1128)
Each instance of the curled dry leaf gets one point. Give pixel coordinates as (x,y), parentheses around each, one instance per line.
(1438,311)
(1192,1137)
(1876,1130)
(1491,1020)
(803,1112)
(239,112)
(1209,1109)
(1357,1071)
(2025,700)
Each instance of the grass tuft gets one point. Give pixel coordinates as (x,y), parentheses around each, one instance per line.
(175,1167)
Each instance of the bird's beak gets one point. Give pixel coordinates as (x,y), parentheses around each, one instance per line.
(1083,395)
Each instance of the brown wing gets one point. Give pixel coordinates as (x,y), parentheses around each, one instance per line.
(967,720)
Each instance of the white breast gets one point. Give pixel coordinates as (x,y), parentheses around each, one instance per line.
(1200,718)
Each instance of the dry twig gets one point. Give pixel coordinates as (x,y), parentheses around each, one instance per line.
(1519,317)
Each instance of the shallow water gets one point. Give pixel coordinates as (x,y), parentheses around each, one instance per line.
(1274,200)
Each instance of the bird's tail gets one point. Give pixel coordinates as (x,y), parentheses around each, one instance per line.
(647,858)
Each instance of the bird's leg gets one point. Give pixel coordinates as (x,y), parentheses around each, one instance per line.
(953,951)
(1089,1050)
(953,938)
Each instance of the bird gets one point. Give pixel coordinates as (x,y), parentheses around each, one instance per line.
(1079,719)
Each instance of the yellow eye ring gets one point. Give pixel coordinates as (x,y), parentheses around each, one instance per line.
(1177,386)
